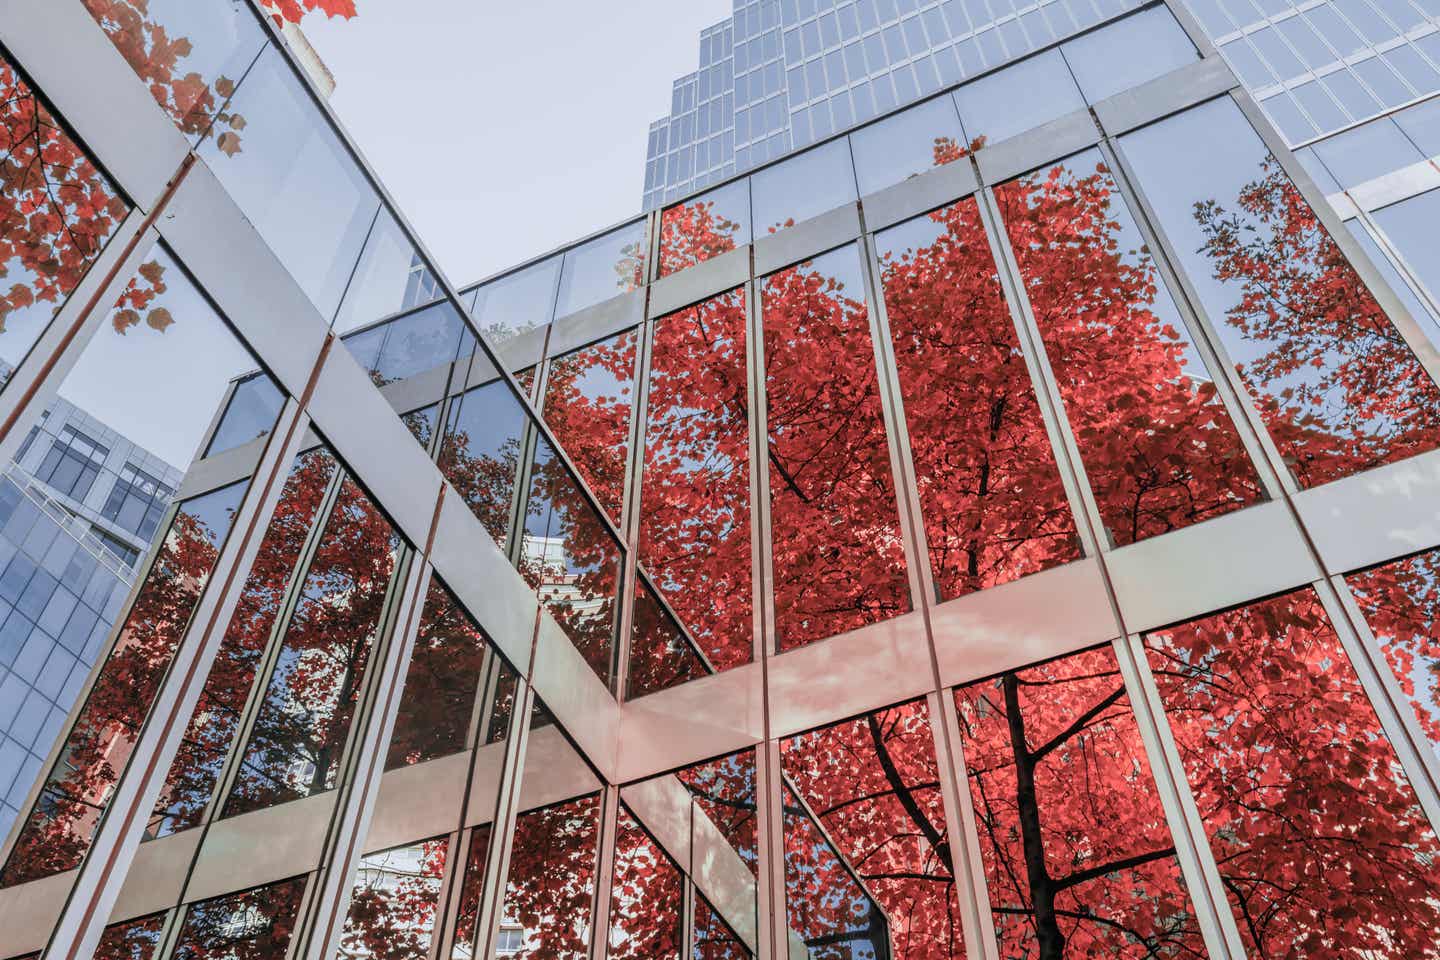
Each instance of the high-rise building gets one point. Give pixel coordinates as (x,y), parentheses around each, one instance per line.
(1004,528)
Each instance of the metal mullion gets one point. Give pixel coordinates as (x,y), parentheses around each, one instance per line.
(1236,400)
(605,872)
(1187,827)
(1408,274)
(962,829)
(772,925)
(307,903)
(687,915)
(630,500)
(1192,28)
(169,932)
(448,896)
(762,555)
(653,236)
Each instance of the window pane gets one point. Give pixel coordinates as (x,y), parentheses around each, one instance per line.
(1156,440)
(390,277)
(480,454)
(572,560)
(303,723)
(393,902)
(471,883)
(521,301)
(695,495)
(1017,98)
(587,405)
(661,655)
(57,217)
(802,187)
(603,268)
(294,180)
(252,412)
(1409,226)
(705,227)
(838,553)
(993,502)
(551,889)
(412,344)
(722,822)
(645,898)
(254,925)
(1078,855)
(1338,389)
(907,144)
(1295,779)
(1129,52)
(195,772)
(874,787)
(714,940)
(131,940)
(1388,269)
(57,834)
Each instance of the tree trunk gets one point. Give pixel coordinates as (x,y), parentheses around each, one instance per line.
(1042,887)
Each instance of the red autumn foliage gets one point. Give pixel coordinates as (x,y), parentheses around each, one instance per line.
(253,925)
(394,902)
(645,897)
(1401,604)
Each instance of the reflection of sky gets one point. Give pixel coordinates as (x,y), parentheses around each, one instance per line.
(490,418)
(24,326)
(216,510)
(808,856)
(520,301)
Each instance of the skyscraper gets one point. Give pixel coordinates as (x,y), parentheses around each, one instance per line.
(1004,528)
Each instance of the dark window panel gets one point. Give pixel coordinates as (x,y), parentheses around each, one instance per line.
(131,940)
(303,722)
(58,832)
(550,893)
(572,560)
(661,656)
(210,735)
(695,495)
(136,501)
(1078,855)
(588,398)
(1333,380)
(838,552)
(480,454)
(873,785)
(1156,440)
(472,882)
(251,413)
(713,939)
(705,227)
(991,495)
(645,898)
(72,463)
(393,902)
(254,925)
(1321,843)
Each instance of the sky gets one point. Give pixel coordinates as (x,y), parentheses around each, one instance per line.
(504,128)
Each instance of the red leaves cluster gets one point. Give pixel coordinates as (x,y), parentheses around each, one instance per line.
(645,897)
(551,889)
(393,904)
(295,10)
(254,925)
(1401,603)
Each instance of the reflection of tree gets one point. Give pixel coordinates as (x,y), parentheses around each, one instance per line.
(713,939)
(587,407)
(392,907)
(254,925)
(692,233)
(472,884)
(1079,861)
(480,454)
(1401,603)
(58,832)
(210,734)
(645,897)
(1323,849)
(724,790)
(132,940)
(301,728)
(552,879)
(1156,440)
(660,654)
(1335,382)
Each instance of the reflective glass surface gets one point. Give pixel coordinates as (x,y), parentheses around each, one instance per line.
(421,423)
(900,147)
(572,560)
(827,911)
(707,226)
(300,731)
(838,554)
(58,832)
(551,888)
(695,487)
(714,940)
(1410,227)
(804,186)
(1422,314)
(645,897)
(294,180)
(518,302)
(57,211)
(602,268)
(393,902)
(873,786)
(1128,52)
(251,413)
(1158,445)
(588,396)
(390,277)
(1336,386)
(661,655)
(1021,96)
(472,880)
(1313,824)
(480,454)
(723,825)
(412,344)
(131,940)
(215,721)
(990,492)
(254,925)
(1078,856)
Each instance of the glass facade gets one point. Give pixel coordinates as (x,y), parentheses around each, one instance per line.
(999,529)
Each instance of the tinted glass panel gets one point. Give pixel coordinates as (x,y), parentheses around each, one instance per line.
(300,732)
(695,496)
(1156,440)
(522,301)
(571,559)
(1021,96)
(993,503)
(480,454)
(705,227)
(1337,387)
(603,268)
(252,412)
(907,144)
(587,405)
(393,902)
(196,770)
(874,787)
(661,655)
(57,209)
(645,898)
(551,889)
(839,559)
(723,825)
(1078,856)
(132,940)
(1128,53)
(57,834)
(802,187)
(1294,779)
(255,925)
